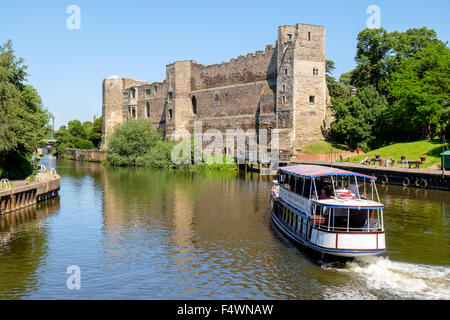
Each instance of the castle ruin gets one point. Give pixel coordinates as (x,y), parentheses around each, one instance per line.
(282,87)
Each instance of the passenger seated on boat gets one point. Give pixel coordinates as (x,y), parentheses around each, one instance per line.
(323,194)
(287,186)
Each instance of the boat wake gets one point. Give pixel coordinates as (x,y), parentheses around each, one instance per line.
(391,279)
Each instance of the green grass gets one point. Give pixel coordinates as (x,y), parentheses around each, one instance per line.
(325,147)
(413,150)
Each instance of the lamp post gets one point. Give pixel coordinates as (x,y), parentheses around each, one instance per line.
(53,126)
(443,156)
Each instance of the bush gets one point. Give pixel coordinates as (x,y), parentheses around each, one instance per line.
(84,144)
(14,166)
(137,143)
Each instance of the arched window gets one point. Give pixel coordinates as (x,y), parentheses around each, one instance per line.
(147,109)
(133,93)
(194,105)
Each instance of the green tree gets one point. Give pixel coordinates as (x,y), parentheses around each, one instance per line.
(379,54)
(77,130)
(137,143)
(335,88)
(421,88)
(358,119)
(23,119)
(96,133)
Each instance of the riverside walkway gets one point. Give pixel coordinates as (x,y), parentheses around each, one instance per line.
(20,194)
(406,177)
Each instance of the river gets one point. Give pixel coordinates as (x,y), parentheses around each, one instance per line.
(158,234)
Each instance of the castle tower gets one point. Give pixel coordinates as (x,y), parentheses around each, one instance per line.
(302,92)
(112,107)
(178,113)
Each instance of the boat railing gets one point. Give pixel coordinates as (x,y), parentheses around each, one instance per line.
(371,228)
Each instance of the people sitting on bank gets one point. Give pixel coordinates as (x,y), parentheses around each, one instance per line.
(365,160)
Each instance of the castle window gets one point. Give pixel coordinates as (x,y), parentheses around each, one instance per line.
(147,93)
(156,89)
(284,88)
(170,114)
(133,93)
(285,72)
(315,71)
(216,97)
(194,105)
(312,99)
(309,36)
(170,95)
(284,99)
(147,108)
(289,37)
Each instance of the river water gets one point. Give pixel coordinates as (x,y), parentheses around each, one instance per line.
(157,234)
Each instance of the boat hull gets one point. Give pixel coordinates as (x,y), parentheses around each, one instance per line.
(339,252)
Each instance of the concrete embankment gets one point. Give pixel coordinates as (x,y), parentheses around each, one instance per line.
(21,194)
(87,155)
(406,177)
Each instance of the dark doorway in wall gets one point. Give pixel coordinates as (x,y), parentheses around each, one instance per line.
(194,105)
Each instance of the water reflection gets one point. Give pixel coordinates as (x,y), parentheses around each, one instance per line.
(24,248)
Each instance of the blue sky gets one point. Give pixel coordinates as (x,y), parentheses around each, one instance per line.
(137,39)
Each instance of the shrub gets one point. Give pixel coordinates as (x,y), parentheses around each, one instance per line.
(137,143)
(84,144)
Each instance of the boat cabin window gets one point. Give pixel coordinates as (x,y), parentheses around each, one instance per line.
(299,186)
(307,188)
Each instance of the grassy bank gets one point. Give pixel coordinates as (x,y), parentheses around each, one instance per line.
(325,147)
(413,150)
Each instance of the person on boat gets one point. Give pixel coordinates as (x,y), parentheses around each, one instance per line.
(355,189)
(323,194)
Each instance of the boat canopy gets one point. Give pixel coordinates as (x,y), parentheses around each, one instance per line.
(314,171)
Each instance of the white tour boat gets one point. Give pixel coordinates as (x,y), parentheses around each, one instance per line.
(330,210)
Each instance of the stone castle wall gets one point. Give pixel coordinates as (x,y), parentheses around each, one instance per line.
(262,90)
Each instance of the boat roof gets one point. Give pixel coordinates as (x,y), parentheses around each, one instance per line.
(314,171)
(349,203)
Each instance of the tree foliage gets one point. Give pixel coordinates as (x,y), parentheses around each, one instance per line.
(23,119)
(421,88)
(403,89)
(77,135)
(359,119)
(137,143)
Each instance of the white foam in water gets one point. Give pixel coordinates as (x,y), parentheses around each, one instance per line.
(405,280)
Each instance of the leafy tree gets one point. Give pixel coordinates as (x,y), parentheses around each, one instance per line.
(76,129)
(379,54)
(96,133)
(137,143)
(421,87)
(23,119)
(408,73)
(335,89)
(358,119)
(372,53)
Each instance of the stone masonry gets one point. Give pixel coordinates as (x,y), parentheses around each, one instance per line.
(282,87)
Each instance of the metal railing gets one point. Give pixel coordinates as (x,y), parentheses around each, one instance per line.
(5,184)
